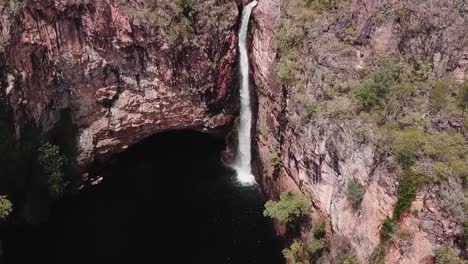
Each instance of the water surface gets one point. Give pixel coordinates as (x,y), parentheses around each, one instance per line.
(168,200)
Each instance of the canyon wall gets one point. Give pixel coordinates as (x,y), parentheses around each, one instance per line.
(321,149)
(125,69)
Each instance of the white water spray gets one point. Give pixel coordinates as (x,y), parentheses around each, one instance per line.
(243,159)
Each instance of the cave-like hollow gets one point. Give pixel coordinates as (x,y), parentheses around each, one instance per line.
(168,199)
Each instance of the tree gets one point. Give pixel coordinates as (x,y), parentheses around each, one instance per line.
(52,163)
(6,207)
(438,96)
(303,252)
(387,229)
(447,255)
(408,145)
(355,193)
(290,207)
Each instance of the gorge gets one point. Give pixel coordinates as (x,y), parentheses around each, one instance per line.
(358,108)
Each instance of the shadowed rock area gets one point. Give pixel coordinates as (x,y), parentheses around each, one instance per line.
(168,199)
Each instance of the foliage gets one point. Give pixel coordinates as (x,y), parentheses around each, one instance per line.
(447,255)
(275,160)
(444,146)
(319,230)
(348,260)
(387,229)
(454,199)
(407,190)
(407,146)
(52,163)
(175,17)
(310,110)
(291,206)
(372,93)
(6,207)
(355,193)
(438,97)
(302,252)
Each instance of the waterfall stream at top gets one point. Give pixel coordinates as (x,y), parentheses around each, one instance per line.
(243,159)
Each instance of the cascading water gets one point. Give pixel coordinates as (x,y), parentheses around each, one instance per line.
(243,159)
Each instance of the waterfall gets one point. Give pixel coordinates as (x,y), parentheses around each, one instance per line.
(242,164)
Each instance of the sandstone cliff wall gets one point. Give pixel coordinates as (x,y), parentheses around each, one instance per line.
(124,75)
(320,155)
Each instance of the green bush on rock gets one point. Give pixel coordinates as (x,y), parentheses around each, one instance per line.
(355,193)
(290,207)
(6,207)
(304,252)
(52,163)
(387,229)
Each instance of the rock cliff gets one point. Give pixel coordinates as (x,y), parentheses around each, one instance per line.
(124,72)
(308,119)
(131,68)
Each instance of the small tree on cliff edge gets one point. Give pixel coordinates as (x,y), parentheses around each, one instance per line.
(52,163)
(290,207)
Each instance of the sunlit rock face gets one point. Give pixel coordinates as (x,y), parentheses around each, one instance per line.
(320,155)
(124,74)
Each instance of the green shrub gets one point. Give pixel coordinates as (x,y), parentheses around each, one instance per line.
(290,207)
(303,252)
(407,190)
(319,230)
(447,255)
(275,160)
(438,97)
(408,145)
(454,200)
(372,93)
(288,68)
(355,193)
(387,229)
(445,146)
(289,40)
(6,207)
(424,68)
(368,95)
(310,110)
(348,260)
(52,163)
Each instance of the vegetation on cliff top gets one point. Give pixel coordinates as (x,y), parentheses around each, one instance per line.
(178,20)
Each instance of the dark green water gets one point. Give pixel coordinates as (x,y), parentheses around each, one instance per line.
(168,200)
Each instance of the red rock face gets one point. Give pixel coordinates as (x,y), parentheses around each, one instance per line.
(319,156)
(119,74)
